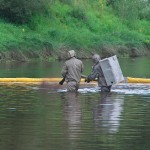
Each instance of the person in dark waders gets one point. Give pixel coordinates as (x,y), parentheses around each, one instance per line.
(71,71)
(97,73)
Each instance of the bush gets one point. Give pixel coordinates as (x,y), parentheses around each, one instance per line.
(131,10)
(20,11)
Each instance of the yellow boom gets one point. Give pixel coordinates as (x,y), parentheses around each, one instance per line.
(138,80)
(34,80)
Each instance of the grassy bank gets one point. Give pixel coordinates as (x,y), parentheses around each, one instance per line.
(84,27)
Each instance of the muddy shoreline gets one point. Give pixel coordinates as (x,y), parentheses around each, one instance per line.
(48,54)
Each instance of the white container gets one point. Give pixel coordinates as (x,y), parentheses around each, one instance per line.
(111,70)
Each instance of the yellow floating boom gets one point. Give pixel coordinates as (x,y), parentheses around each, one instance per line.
(30,79)
(34,80)
(138,80)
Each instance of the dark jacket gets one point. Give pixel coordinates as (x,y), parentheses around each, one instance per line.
(98,73)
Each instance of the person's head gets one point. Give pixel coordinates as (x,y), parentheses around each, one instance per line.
(71,54)
(96,58)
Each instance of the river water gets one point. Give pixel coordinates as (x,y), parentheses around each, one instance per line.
(46,117)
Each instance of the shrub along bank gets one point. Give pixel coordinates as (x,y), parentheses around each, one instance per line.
(86,26)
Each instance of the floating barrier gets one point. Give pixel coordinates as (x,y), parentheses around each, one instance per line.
(30,79)
(56,80)
(138,80)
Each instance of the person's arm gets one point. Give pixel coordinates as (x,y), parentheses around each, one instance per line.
(92,76)
(62,81)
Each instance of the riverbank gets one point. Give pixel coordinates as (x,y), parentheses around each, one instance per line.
(88,27)
(48,54)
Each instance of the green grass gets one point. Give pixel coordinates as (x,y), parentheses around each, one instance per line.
(85,27)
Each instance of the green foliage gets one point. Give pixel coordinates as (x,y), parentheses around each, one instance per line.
(131,10)
(144,11)
(78,13)
(20,11)
(86,25)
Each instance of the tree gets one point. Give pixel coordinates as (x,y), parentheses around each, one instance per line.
(131,9)
(20,11)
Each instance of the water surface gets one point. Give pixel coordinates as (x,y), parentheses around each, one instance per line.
(46,117)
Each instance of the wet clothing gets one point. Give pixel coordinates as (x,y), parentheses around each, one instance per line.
(72,86)
(98,73)
(72,70)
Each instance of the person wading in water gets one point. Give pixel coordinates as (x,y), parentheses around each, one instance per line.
(71,71)
(98,73)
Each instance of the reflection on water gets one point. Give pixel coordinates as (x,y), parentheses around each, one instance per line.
(137,67)
(33,118)
(73,118)
(108,111)
(46,117)
(72,114)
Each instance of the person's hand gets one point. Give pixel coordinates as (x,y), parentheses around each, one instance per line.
(87,80)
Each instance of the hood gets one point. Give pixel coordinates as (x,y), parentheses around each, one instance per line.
(95,58)
(71,54)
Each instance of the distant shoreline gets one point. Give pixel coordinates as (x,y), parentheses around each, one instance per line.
(49,54)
